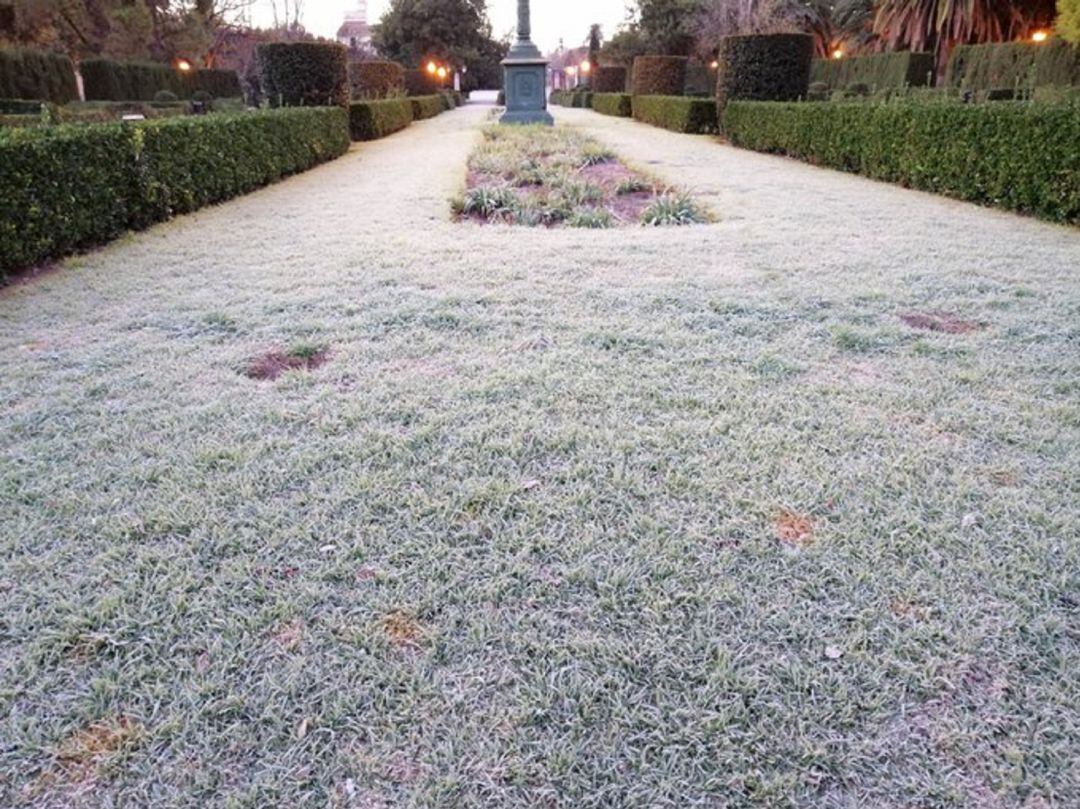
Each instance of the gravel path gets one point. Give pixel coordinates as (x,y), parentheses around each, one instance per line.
(686,517)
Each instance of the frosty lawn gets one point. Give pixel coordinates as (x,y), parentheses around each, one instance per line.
(642,517)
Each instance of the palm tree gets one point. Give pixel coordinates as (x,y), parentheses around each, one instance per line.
(831,22)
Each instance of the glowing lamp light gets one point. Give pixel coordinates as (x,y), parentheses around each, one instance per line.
(838,53)
(1040,36)
(715,65)
(432,68)
(183,65)
(441,72)
(585,66)
(572,71)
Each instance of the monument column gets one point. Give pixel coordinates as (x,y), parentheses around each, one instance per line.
(525,77)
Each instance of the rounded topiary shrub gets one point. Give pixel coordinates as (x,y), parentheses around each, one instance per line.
(763,67)
(304,74)
(165,97)
(609,79)
(659,75)
(376,79)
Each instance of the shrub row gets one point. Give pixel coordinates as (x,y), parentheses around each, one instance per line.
(106,80)
(770,67)
(1012,65)
(34,75)
(613,104)
(1018,156)
(426,106)
(304,74)
(877,71)
(659,75)
(677,113)
(376,79)
(420,83)
(370,120)
(609,79)
(65,188)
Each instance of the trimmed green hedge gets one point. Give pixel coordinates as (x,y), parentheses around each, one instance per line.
(426,107)
(304,74)
(1012,65)
(658,75)
(609,79)
(370,120)
(763,67)
(35,75)
(376,79)
(420,83)
(106,80)
(64,188)
(1018,156)
(879,71)
(581,99)
(613,104)
(677,113)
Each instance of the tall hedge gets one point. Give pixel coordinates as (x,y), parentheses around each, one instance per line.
(659,75)
(420,83)
(763,67)
(107,80)
(304,74)
(36,75)
(677,113)
(1012,155)
(618,104)
(376,79)
(609,79)
(1008,65)
(370,120)
(63,188)
(878,71)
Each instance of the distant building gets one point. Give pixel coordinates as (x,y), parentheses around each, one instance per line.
(355,33)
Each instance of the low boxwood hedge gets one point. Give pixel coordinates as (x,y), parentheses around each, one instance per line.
(613,104)
(879,71)
(677,113)
(420,83)
(63,188)
(581,99)
(426,107)
(371,120)
(1013,155)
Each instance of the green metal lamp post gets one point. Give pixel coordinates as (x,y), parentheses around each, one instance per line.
(525,73)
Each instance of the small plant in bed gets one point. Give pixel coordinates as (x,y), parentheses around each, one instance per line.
(559,177)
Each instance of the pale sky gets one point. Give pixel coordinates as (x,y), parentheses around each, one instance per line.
(551,19)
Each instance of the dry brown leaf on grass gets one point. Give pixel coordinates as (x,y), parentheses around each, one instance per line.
(794,530)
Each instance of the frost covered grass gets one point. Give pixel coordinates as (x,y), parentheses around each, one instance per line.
(763,512)
(544,176)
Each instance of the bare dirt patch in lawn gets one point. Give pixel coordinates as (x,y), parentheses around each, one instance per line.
(940,322)
(273,364)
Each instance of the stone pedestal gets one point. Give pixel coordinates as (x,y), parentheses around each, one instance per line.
(525,74)
(526,92)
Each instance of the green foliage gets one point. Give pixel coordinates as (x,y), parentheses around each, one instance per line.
(304,74)
(426,106)
(1068,21)
(613,104)
(376,79)
(165,97)
(1013,65)
(371,120)
(106,80)
(673,208)
(20,106)
(677,113)
(32,74)
(609,79)
(769,67)
(581,98)
(420,83)
(659,75)
(1018,156)
(879,70)
(667,25)
(64,188)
